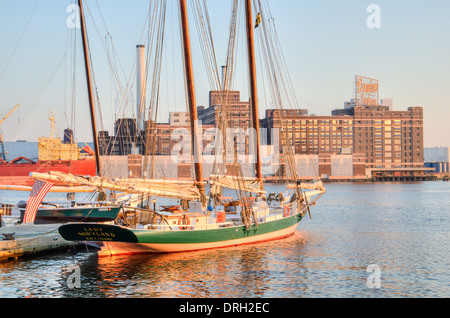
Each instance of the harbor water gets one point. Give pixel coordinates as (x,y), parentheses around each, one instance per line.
(365,240)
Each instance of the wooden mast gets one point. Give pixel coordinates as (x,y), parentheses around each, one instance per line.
(89,86)
(191,99)
(253,85)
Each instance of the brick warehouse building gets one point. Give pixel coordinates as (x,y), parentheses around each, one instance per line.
(357,142)
(372,141)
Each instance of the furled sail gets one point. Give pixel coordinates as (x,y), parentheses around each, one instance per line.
(252,185)
(166,188)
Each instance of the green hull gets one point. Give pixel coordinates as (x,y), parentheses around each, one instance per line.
(119,240)
(214,235)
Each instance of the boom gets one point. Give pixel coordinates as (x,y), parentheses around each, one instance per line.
(9,113)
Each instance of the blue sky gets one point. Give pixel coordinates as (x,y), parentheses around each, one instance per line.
(326,43)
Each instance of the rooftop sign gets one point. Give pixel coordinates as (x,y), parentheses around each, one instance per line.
(366,91)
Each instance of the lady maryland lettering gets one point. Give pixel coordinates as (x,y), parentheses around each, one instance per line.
(96,234)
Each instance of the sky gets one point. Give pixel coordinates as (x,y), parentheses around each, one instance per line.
(325,44)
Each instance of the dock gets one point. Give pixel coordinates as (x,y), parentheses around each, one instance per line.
(30,239)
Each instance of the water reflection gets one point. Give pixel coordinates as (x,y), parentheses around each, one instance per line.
(403,228)
(261,270)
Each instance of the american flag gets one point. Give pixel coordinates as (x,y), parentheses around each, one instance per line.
(37,194)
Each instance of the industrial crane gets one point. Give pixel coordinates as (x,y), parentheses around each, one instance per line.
(1,135)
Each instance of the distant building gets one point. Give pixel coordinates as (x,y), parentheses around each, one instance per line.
(390,138)
(157,139)
(388,102)
(238,111)
(239,115)
(168,136)
(358,141)
(438,158)
(380,143)
(124,141)
(437,154)
(179,119)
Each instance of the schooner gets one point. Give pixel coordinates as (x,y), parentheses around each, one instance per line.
(205,218)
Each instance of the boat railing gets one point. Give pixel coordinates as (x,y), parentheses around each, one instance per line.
(152,220)
(189,227)
(204,222)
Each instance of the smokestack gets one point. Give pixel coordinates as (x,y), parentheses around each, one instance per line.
(140,96)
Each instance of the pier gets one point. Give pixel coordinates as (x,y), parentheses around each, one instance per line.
(26,240)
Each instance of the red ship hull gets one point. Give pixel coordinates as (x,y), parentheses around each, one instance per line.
(19,173)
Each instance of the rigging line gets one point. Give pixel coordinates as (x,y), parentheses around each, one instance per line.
(104,46)
(211,41)
(111,80)
(184,62)
(198,19)
(272,64)
(208,43)
(152,32)
(74,76)
(35,102)
(112,67)
(70,39)
(238,172)
(94,119)
(187,65)
(156,83)
(272,60)
(19,40)
(109,59)
(158,58)
(123,91)
(159,34)
(65,88)
(284,73)
(101,16)
(92,69)
(266,43)
(147,69)
(281,62)
(268,133)
(289,78)
(225,116)
(269,63)
(258,45)
(278,82)
(224,120)
(173,52)
(213,78)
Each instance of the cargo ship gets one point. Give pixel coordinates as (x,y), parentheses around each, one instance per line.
(54,155)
